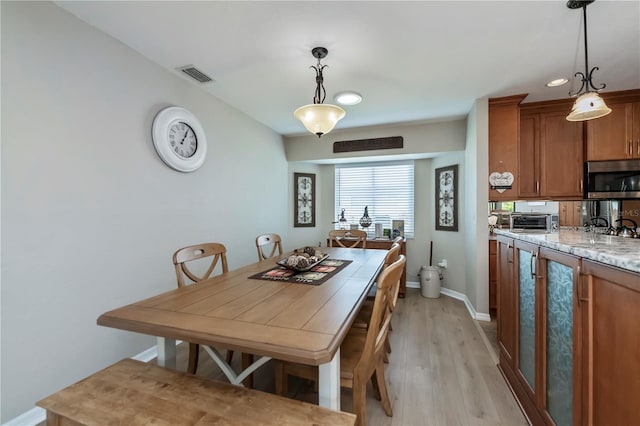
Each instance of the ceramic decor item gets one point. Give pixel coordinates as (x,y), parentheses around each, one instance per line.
(365,220)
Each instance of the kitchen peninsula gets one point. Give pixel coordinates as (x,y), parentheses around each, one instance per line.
(567,325)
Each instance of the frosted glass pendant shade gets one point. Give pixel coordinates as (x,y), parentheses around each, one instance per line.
(588,106)
(319,119)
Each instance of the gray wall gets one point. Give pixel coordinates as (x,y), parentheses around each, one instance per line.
(477,169)
(429,137)
(90,214)
(444,139)
(446,244)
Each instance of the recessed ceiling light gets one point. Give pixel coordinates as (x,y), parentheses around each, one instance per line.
(557,82)
(348,98)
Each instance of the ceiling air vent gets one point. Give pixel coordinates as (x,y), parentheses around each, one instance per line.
(195,74)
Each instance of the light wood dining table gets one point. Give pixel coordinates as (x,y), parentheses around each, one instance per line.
(270,319)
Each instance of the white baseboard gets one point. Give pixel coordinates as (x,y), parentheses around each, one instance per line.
(148,355)
(413,284)
(460,296)
(30,418)
(38,415)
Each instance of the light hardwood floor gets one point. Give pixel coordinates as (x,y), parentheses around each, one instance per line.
(440,371)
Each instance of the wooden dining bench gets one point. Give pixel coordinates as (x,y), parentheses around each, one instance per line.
(135,393)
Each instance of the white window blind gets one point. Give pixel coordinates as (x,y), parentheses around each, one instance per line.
(386,188)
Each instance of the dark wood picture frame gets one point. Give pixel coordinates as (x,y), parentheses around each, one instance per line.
(304,200)
(447,198)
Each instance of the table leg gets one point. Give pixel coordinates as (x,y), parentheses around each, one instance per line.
(329,383)
(166,352)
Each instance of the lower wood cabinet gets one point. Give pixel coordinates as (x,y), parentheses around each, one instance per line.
(540,330)
(569,336)
(493,276)
(611,345)
(506,301)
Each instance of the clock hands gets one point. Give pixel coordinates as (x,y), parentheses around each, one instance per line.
(184,137)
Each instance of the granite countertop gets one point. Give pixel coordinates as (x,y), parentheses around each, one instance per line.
(620,252)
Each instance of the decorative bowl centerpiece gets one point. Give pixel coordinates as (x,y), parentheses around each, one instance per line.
(302,260)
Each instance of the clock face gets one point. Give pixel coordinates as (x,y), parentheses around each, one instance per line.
(183,140)
(179,139)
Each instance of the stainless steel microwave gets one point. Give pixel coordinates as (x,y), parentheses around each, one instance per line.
(612,179)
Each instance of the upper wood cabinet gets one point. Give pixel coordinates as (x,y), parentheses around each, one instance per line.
(616,136)
(503,141)
(550,152)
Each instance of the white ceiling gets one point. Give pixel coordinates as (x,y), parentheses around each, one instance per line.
(411,61)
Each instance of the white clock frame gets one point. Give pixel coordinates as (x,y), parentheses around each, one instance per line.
(162,122)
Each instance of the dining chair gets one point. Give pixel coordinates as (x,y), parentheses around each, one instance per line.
(364,315)
(392,256)
(268,241)
(348,238)
(361,352)
(185,276)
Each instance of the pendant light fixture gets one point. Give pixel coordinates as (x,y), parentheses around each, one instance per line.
(589,104)
(319,118)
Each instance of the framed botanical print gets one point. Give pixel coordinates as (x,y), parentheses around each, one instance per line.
(447,198)
(304,200)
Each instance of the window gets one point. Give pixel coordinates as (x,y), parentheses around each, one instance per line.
(386,188)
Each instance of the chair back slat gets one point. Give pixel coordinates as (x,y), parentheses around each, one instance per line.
(392,255)
(381,313)
(217,252)
(348,238)
(266,242)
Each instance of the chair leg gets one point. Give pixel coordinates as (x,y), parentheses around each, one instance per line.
(247,360)
(229,356)
(360,401)
(387,345)
(194,352)
(382,385)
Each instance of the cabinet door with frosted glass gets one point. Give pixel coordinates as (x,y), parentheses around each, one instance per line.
(559,350)
(527,317)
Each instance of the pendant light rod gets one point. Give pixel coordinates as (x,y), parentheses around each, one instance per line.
(586,77)
(321,93)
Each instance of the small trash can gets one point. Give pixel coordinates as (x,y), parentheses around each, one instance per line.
(430,281)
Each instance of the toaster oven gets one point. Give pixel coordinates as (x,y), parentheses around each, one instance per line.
(539,223)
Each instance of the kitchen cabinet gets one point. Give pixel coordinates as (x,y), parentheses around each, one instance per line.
(550,152)
(611,365)
(506,301)
(540,329)
(503,142)
(493,275)
(569,213)
(616,136)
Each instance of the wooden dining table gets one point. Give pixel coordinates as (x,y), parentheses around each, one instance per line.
(288,321)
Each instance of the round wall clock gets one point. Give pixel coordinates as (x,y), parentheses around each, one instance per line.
(179,139)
